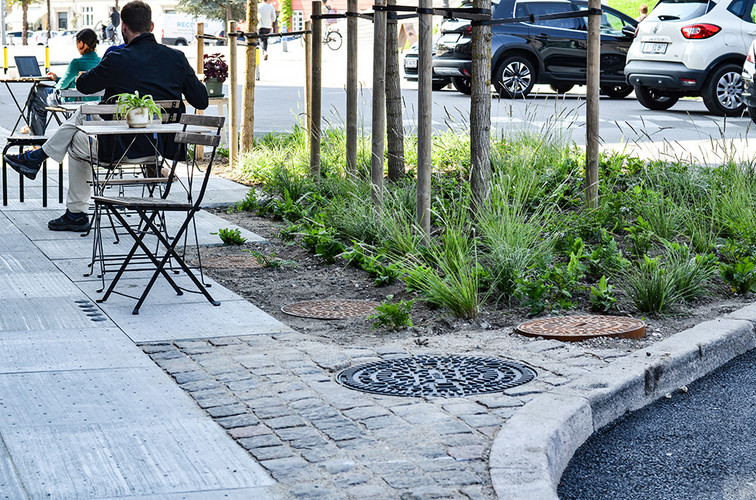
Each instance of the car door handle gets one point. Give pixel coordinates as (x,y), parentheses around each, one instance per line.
(752,33)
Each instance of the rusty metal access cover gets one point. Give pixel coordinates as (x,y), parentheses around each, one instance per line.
(331,309)
(583,327)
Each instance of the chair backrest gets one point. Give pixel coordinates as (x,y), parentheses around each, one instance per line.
(198,130)
(73,95)
(170,112)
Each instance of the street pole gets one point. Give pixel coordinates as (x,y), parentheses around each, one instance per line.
(592,105)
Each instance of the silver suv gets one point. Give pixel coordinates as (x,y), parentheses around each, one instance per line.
(692,48)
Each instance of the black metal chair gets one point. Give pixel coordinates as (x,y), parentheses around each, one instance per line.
(150,209)
(22,142)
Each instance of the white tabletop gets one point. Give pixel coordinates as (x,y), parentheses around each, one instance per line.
(121,128)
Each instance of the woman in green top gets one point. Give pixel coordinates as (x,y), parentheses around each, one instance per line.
(86,41)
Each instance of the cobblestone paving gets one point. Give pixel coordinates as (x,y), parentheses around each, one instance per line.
(277,397)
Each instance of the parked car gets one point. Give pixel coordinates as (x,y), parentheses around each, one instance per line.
(548,52)
(692,48)
(40,37)
(410,69)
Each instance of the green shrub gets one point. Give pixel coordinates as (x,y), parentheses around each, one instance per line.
(602,296)
(231,237)
(740,275)
(393,315)
(649,287)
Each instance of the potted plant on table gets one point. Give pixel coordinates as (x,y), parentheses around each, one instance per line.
(137,109)
(216,72)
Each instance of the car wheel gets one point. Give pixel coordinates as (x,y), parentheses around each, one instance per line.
(181,43)
(723,92)
(654,99)
(515,77)
(561,89)
(439,85)
(462,85)
(616,91)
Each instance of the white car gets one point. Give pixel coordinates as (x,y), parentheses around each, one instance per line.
(692,48)
(40,37)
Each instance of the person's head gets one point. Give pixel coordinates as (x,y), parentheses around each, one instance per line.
(86,40)
(136,18)
(643,9)
(112,9)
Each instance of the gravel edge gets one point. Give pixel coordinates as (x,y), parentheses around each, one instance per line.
(532,449)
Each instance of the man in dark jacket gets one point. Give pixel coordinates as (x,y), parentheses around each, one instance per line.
(142,65)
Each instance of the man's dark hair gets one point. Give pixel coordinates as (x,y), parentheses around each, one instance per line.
(88,37)
(137,15)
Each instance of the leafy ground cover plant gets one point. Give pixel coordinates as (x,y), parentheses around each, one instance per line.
(654,244)
(393,315)
(231,236)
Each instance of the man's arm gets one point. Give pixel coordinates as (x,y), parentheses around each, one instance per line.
(96,79)
(194,91)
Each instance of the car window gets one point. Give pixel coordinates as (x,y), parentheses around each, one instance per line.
(738,7)
(678,10)
(611,24)
(542,8)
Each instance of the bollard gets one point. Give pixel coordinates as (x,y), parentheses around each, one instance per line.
(257,63)
(283,39)
(47,58)
(5,59)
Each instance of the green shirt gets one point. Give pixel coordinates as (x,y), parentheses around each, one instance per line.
(83,63)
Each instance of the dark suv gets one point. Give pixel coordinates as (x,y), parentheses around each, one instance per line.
(551,52)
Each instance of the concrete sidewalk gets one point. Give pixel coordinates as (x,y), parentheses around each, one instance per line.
(84,413)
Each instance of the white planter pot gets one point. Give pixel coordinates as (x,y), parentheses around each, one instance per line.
(138,118)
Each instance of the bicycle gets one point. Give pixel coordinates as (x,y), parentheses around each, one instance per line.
(331,37)
(102,34)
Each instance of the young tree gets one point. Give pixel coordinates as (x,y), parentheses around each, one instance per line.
(214,9)
(24,17)
(285,16)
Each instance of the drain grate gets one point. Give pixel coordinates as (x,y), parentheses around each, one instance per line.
(436,376)
(583,327)
(331,309)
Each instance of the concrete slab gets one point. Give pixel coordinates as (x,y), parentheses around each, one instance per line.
(10,485)
(18,263)
(130,459)
(48,284)
(193,320)
(263,492)
(47,313)
(65,248)
(75,349)
(33,223)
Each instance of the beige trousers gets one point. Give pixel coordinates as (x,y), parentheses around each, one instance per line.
(68,139)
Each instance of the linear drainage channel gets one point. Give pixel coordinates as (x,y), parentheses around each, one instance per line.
(436,376)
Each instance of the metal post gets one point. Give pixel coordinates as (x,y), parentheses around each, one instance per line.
(379,103)
(232,95)
(480,112)
(424,114)
(351,89)
(592,106)
(315,97)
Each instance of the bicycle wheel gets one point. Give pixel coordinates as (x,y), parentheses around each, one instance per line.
(334,40)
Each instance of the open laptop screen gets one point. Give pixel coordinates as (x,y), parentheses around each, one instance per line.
(27,66)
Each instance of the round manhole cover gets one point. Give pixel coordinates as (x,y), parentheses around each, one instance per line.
(583,327)
(436,376)
(331,309)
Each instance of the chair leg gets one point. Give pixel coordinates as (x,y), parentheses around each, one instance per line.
(44,183)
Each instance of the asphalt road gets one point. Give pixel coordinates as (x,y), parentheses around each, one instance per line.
(697,445)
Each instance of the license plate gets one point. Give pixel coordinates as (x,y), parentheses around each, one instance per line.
(410,62)
(654,48)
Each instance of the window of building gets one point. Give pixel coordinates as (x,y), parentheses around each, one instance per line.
(87,16)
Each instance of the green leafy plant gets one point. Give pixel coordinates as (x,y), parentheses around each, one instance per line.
(231,237)
(384,274)
(740,275)
(602,296)
(393,315)
(126,102)
(649,287)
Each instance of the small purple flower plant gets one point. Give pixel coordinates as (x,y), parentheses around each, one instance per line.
(215,67)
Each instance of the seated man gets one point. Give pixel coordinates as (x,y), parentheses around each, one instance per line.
(142,65)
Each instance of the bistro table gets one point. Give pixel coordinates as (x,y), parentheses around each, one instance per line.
(35,81)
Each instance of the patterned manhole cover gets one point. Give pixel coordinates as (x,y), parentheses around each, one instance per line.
(248,261)
(331,309)
(583,327)
(439,376)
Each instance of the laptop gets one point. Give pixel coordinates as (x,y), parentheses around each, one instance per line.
(27,66)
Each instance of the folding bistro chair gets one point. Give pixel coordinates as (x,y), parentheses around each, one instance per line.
(151,209)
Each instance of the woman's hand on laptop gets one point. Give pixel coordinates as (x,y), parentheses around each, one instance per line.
(52,76)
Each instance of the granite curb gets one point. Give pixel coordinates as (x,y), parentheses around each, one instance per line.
(532,449)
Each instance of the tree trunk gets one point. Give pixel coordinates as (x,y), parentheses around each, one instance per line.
(592,107)
(24,21)
(49,24)
(379,104)
(480,113)
(248,93)
(424,117)
(394,124)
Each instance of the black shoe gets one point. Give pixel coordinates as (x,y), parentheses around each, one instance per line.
(25,163)
(70,221)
